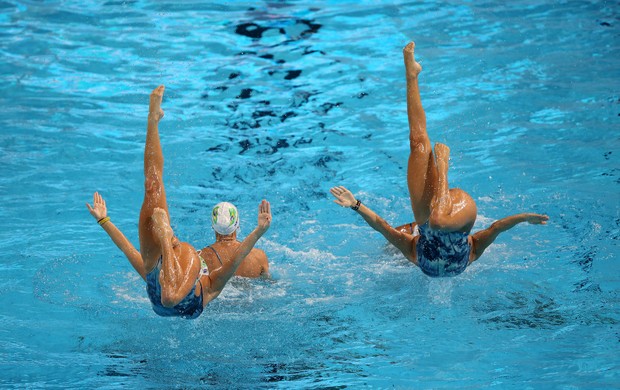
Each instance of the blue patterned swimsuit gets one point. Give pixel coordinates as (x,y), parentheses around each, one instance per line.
(190,307)
(442,253)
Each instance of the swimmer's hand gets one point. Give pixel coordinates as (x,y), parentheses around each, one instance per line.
(98,210)
(343,196)
(264,216)
(535,219)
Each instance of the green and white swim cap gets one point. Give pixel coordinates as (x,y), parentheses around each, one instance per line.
(225,218)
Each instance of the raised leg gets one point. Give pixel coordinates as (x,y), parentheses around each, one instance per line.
(154,192)
(180,264)
(421,169)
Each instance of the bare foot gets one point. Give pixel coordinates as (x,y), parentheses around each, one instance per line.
(412,67)
(155,111)
(442,151)
(161,226)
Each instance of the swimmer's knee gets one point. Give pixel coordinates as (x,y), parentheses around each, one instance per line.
(152,183)
(419,143)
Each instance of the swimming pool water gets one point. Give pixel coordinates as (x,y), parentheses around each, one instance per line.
(282,100)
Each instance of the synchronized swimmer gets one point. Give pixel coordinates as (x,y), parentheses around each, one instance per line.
(175,282)
(181,281)
(439,242)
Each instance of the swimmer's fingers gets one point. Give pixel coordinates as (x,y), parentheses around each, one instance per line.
(337,194)
(537,219)
(98,210)
(339,190)
(98,200)
(264,215)
(544,219)
(266,207)
(100,204)
(343,196)
(541,219)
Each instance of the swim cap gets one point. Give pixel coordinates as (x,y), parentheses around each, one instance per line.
(225,218)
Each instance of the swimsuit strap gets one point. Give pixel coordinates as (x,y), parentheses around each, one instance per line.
(216,254)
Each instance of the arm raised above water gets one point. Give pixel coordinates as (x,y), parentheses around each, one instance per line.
(99,211)
(482,239)
(401,240)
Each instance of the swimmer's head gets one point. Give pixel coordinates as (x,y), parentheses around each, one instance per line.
(225,218)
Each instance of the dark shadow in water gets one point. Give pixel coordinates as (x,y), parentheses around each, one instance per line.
(123,366)
(323,365)
(249,104)
(255,30)
(588,241)
(251,30)
(264,146)
(520,310)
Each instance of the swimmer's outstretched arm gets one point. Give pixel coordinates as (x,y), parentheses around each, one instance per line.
(99,211)
(402,241)
(219,277)
(482,239)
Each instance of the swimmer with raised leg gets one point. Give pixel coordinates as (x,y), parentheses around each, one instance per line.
(172,268)
(444,216)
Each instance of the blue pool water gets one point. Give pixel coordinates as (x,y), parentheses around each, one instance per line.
(282,100)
